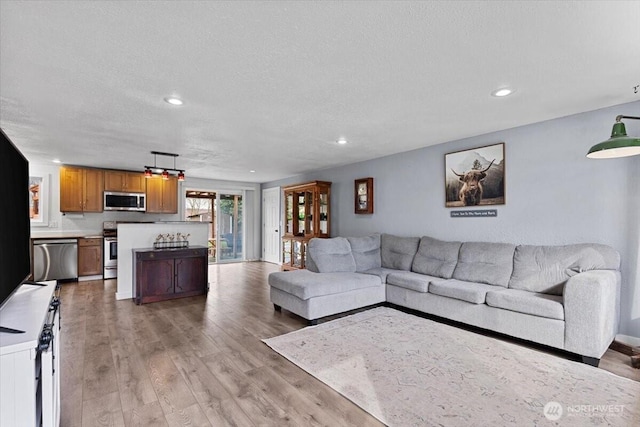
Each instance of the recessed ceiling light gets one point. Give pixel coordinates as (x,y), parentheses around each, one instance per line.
(504,91)
(252,171)
(342,140)
(56,161)
(173,101)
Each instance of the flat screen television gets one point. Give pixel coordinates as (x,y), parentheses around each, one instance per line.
(15,225)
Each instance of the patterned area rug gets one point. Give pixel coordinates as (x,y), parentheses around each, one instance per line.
(410,371)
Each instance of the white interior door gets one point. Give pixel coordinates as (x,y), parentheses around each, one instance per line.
(271,225)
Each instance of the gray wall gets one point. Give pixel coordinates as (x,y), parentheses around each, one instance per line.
(554,194)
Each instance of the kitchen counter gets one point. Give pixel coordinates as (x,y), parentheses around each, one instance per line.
(35,235)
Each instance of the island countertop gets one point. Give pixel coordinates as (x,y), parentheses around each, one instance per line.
(136,250)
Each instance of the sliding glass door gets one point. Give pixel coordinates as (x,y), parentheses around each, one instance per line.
(230,227)
(224,212)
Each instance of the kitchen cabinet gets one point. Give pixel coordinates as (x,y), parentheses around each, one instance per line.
(162,274)
(162,195)
(89,256)
(128,182)
(81,189)
(308,215)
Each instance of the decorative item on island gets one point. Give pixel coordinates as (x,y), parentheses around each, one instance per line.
(171,241)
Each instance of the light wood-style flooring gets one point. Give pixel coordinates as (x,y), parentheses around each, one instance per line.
(196,361)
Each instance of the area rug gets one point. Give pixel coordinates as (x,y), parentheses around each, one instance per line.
(409,371)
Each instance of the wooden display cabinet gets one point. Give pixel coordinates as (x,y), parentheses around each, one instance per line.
(129,182)
(89,257)
(162,274)
(81,189)
(307,215)
(162,194)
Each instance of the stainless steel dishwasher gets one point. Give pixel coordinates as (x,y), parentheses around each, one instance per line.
(55,259)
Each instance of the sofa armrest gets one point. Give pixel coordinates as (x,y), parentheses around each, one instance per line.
(591,311)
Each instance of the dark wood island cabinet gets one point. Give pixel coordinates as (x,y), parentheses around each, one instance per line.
(162,274)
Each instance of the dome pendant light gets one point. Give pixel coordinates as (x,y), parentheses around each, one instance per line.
(619,145)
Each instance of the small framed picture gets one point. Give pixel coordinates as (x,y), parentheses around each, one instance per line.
(39,200)
(364,196)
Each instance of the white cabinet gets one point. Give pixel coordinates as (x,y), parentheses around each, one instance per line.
(30,385)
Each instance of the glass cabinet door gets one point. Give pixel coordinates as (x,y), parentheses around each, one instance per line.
(308,196)
(286,252)
(296,254)
(324,212)
(289,212)
(302,214)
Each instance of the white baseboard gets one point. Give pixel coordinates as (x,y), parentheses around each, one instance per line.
(124,295)
(628,340)
(87,278)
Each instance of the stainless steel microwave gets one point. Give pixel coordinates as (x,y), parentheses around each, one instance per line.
(116,201)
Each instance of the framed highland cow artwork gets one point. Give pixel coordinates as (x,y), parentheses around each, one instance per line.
(475,177)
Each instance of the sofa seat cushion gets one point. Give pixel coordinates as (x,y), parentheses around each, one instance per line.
(398,252)
(366,252)
(306,284)
(436,257)
(483,262)
(409,280)
(382,273)
(472,292)
(537,304)
(331,255)
(547,268)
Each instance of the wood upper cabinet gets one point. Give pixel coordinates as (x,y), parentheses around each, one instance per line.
(89,257)
(129,182)
(307,215)
(162,195)
(81,189)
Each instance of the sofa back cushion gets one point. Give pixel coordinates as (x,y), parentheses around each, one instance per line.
(398,252)
(366,252)
(436,257)
(484,262)
(545,269)
(331,255)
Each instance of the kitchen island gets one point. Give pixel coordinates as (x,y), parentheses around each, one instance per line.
(143,235)
(162,274)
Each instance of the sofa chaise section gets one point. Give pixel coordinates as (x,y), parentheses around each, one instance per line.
(331,285)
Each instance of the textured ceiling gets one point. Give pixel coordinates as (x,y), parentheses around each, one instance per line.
(270,85)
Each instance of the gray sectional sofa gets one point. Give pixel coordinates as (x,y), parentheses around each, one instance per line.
(565,297)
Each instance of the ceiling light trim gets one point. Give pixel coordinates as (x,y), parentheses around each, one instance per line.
(175,101)
(503,92)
